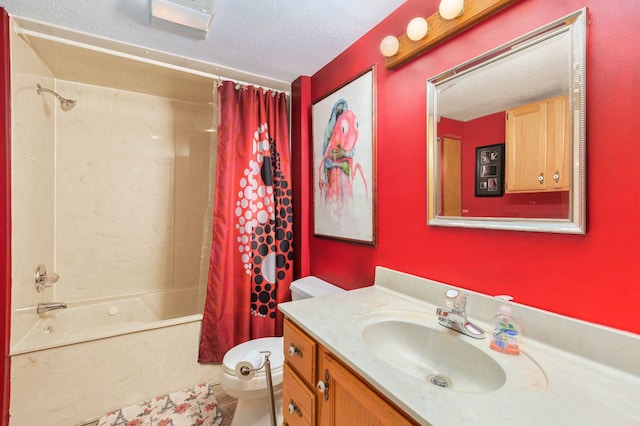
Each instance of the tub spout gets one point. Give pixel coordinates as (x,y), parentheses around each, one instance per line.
(46,307)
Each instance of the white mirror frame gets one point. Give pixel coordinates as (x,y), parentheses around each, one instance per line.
(575,24)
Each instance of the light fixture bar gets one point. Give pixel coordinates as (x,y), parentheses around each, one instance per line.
(441,29)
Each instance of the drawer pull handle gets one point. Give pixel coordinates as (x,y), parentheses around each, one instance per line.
(293,408)
(556,176)
(294,351)
(541,178)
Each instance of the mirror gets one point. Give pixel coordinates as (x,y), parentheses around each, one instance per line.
(506,135)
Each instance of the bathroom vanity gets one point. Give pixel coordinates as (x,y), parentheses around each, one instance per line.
(319,389)
(379,356)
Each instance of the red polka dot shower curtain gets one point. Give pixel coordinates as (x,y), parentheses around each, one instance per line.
(251,257)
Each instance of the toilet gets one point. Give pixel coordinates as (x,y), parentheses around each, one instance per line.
(252,395)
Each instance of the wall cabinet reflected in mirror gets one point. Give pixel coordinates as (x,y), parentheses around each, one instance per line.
(537,145)
(528,95)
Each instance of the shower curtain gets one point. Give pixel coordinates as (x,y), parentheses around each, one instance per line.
(251,263)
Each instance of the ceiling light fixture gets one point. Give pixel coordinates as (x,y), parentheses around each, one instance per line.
(190,17)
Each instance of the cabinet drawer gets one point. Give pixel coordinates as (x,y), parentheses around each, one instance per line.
(300,352)
(299,403)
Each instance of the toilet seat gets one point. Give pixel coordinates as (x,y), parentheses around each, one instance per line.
(235,354)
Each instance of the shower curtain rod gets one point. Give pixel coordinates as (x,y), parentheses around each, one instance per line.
(30,33)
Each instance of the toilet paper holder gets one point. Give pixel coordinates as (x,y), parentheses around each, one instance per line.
(266,364)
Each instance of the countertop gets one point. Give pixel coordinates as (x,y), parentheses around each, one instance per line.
(545,385)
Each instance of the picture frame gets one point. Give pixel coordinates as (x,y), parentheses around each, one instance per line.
(344,161)
(490,170)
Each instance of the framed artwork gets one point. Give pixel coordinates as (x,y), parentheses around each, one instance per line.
(490,170)
(344,161)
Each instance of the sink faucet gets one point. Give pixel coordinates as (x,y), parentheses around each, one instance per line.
(46,307)
(455,317)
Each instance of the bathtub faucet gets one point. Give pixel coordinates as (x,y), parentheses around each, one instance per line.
(46,307)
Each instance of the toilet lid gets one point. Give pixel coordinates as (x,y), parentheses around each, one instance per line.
(273,344)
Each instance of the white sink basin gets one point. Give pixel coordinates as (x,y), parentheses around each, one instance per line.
(418,346)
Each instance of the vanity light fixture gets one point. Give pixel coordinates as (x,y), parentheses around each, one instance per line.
(451,9)
(417,29)
(389,45)
(452,17)
(189,17)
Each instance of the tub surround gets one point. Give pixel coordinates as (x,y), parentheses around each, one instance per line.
(114,197)
(586,373)
(77,383)
(114,194)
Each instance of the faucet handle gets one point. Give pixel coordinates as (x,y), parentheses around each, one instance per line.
(43,279)
(455,300)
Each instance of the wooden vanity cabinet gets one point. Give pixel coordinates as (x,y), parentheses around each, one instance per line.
(341,396)
(537,146)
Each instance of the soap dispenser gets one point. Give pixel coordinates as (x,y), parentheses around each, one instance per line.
(506,330)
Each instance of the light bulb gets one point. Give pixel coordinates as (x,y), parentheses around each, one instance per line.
(450,9)
(417,29)
(389,46)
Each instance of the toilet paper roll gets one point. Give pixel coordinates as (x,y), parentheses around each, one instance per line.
(250,361)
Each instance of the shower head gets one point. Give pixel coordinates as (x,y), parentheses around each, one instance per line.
(65,104)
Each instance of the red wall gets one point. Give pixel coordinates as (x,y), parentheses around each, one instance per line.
(593,277)
(483,131)
(300,151)
(5,215)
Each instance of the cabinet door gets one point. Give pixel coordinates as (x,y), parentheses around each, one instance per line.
(526,148)
(537,147)
(350,401)
(558,144)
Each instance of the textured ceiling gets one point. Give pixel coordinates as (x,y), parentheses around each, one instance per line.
(277,39)
(539,71)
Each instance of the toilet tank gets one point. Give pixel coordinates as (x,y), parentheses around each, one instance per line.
(307,287)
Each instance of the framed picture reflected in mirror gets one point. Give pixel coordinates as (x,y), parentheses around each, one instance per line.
(490,170)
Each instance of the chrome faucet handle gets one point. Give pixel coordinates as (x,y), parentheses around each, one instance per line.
(456,301)
(44,280)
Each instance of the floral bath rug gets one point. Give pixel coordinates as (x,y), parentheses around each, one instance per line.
(191,407)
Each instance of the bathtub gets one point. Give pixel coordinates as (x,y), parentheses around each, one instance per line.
(79,363)
(97,319)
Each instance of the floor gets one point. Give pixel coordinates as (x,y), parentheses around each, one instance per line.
(226,404)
